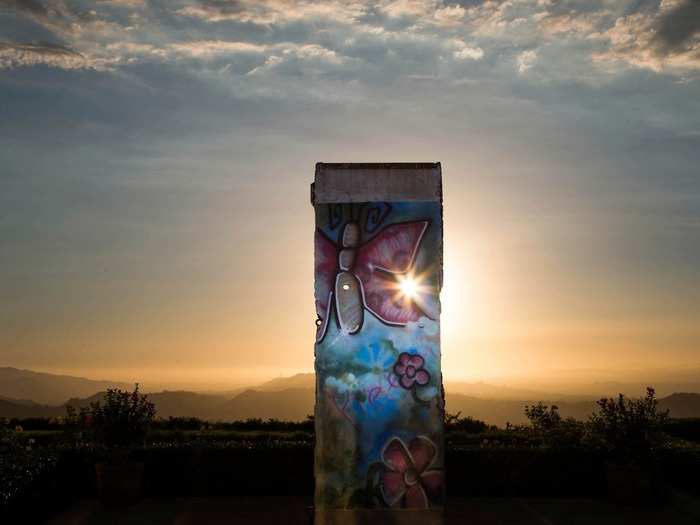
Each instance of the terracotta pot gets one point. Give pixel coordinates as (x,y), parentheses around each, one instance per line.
(119,484)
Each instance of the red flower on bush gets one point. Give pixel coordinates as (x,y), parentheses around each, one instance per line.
(409,369)
(409,481)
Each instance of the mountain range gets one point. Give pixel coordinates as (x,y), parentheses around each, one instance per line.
(290,398)
(49,389)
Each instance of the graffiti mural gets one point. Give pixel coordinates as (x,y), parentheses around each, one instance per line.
(378,271)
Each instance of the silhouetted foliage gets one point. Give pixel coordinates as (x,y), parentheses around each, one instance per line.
(555,431)
(457,423)
(543,417)
(628,427)
(122,420)
(622,427)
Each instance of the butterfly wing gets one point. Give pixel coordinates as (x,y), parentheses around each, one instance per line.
(325,268)
(390,253)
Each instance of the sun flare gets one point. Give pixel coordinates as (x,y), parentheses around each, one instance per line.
(408,285)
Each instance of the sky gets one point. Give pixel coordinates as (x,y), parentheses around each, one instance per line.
(156,156)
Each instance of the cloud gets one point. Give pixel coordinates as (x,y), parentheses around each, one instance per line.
(666,39)
(31,7)
(526,60)
(466,52)
(16,55)
(219,13)
(124,3)
(580,39)
(207,49)
(504,19)
(678,26)
(450,15)
(267,12)
(297,60)
(410,8)
(562,24)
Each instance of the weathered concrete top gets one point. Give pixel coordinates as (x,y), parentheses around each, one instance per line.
(377,182)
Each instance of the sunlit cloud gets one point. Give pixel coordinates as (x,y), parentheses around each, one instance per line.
(206,49)
(463,51)
(526,60)
(113,33)
(667,39)
(267,12)
(16,55)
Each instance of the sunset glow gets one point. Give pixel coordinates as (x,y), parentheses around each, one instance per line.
(409,286)
(157,156)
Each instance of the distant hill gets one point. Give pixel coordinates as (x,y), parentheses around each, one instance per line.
(291,404)
(682,404)
(21,409)
(499,392)
(49,389)
(290,398)
(307,380)
(502,411)
(174,404)
(476,389)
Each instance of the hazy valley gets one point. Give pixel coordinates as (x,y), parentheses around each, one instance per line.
(24,393)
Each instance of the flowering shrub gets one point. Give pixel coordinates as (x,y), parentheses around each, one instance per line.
(628,427)
(121,420)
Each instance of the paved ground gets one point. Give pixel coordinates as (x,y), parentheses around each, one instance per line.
(473,511)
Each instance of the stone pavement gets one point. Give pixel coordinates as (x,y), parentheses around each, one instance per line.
(472,511)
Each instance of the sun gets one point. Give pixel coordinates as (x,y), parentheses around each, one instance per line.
(409,286)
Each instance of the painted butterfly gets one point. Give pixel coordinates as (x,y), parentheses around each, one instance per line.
(353,276)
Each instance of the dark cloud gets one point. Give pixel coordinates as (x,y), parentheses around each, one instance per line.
(47,14)
(677,28)
(29,6)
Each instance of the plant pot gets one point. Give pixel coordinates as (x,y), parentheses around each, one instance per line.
(119,484)
(631,484)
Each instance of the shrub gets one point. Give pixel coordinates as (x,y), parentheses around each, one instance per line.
(554,430)
(628,428)
(121,420)
(467,424)
(542,417)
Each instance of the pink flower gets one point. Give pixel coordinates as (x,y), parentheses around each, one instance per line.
(409,480)
(410,370)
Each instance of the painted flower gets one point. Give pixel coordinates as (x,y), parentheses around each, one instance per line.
(409,480)
(409,369)
(376,358)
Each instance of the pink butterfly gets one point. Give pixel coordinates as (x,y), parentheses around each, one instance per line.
(365,276)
